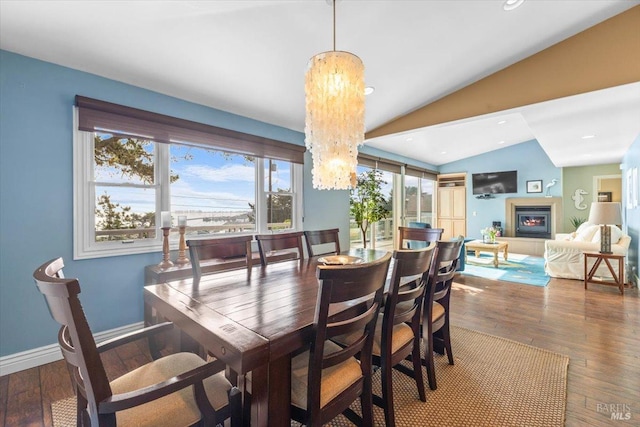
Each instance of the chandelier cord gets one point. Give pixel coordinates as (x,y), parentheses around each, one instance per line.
(334,25)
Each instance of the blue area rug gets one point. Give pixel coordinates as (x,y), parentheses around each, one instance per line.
(525,269)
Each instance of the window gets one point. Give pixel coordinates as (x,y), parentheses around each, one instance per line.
(122,182)
(418,198)
(409,191)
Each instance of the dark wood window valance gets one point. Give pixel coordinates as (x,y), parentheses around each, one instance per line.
(395,167)
(379,163)
(420,172)
(95,115)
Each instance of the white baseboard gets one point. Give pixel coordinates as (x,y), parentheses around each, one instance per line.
(50,353)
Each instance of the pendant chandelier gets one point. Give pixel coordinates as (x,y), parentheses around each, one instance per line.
(334,123)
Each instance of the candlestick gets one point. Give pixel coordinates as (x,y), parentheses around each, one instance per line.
(165,217)
(182,258)
(166,262)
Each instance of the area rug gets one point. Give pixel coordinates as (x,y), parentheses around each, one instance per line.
(494,382)
(525,269)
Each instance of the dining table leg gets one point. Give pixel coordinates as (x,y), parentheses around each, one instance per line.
(260,396)
(271,394)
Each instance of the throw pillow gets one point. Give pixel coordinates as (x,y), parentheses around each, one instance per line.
(586,234)
(583,226)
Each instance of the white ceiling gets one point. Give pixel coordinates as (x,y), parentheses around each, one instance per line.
(249,58)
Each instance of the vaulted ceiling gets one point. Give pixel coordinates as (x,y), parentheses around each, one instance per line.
(445,72)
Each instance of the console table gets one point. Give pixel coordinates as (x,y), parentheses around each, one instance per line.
(618,279)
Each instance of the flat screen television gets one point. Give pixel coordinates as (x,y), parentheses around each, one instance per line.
(495,182)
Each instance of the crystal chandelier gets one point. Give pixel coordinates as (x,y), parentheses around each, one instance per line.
(334,123)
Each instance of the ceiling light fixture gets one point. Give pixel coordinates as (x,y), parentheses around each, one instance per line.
(334,124)
(369,90)
(501,122)
(588,136)
(500,142)
(512,4)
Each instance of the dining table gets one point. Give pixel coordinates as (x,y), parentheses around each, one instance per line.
(254,320)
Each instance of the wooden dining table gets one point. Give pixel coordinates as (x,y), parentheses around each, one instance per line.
(254,320)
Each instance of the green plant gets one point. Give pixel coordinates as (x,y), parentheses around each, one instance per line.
(575,221)
(368,204)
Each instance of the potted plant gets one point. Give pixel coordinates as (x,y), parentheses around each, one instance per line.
(368,204)
(576,222)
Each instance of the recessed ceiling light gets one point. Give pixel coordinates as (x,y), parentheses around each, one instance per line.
(588,136)
(409,139)
(501,122)
(443,152)
(512,4)
(369,90)
(500,142)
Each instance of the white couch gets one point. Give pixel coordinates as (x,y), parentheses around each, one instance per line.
(563,257)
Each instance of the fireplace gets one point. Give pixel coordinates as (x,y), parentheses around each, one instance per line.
(554,204)
(533,221)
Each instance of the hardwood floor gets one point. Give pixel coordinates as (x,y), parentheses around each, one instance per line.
(599,330)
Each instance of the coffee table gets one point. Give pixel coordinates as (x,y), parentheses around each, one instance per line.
(479,246)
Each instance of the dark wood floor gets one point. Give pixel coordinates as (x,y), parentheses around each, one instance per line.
(598,329)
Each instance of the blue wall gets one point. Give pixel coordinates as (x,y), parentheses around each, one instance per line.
(36,196)
(632,216)
(531,162)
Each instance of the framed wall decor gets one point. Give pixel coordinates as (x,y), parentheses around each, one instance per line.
(604,196)
(534,186)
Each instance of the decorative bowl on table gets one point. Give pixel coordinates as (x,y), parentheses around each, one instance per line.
(340,260)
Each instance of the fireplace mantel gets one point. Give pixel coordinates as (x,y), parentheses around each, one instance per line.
(510,212)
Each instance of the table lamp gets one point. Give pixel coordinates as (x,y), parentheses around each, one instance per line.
(605,213)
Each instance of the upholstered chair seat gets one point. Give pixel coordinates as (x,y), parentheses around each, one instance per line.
(177,409)
(335,379)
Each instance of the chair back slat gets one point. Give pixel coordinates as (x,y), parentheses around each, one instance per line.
(223,248)
(323,237)
(75,338)
(410,234)
(279,242)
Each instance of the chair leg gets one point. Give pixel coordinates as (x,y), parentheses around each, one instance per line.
(235,405)
(446,336)
(81,405)
(387,394)
(366,402)
(417,369)
(429,362)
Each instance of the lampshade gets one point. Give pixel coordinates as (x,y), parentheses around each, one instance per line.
(334,122)
(605,213)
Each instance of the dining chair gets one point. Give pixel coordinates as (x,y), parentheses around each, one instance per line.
(417,238)
(436,304)
(278,246)
(329,239)
(327,378)
(223,253)
(397,333)
(179,389)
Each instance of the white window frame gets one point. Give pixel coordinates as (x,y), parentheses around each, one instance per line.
(84,244)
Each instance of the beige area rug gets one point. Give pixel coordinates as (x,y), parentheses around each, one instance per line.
(494,382)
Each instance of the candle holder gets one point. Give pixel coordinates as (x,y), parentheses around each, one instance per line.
(166,262)
(182,258)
